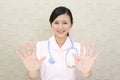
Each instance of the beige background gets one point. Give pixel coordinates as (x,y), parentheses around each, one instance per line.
(27,20)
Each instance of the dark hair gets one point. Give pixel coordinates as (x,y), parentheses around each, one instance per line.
(59,11)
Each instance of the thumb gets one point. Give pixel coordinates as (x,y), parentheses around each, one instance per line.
(42,59)
(75,58)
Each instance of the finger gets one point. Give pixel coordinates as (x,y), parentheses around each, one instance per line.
(87,48)
(34,48)
(19,55)
(75,58)
(41,60)
(81,49)
(23,48)
(91,50)
(28,48)
(96,55)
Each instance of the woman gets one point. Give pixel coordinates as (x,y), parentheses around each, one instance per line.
(59,57)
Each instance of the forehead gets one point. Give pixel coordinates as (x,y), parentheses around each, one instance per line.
(63,17)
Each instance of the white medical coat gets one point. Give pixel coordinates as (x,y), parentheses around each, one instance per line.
(58,70)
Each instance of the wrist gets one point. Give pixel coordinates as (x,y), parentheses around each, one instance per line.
(87,74)
(32,74)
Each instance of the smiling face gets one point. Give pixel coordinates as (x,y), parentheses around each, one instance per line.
(61,25)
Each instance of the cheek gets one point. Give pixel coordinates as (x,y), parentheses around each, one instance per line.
(68,27)
(54,28)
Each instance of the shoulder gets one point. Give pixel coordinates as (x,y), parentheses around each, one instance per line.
(41,48)
(77,46)
(76,43)
(41,43)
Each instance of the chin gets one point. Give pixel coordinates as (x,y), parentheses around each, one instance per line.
(62,35)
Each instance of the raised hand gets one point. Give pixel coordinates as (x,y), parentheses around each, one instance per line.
(29,58)
(85,61)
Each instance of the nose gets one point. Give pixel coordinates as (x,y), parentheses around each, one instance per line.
(60,26)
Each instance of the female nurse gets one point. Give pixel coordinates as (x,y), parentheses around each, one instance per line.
(58,58)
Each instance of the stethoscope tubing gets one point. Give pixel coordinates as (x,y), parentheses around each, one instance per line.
(51,59)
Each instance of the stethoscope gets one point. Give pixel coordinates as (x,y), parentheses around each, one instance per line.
(52,60)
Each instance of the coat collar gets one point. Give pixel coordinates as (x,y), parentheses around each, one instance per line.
(54,45)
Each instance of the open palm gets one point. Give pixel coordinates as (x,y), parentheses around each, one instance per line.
(85,61)
(29,58)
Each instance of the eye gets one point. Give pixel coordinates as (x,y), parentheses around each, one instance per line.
(56,23)
(64,22)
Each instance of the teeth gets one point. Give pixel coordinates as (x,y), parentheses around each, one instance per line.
(60,31)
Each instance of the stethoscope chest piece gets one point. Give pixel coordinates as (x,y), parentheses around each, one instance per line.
(51,60)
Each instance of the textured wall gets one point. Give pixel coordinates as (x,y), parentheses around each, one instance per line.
(27,20)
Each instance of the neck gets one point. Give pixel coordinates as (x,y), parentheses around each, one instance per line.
(60,41)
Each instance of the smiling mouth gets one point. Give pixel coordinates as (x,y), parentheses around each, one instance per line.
(60,32)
